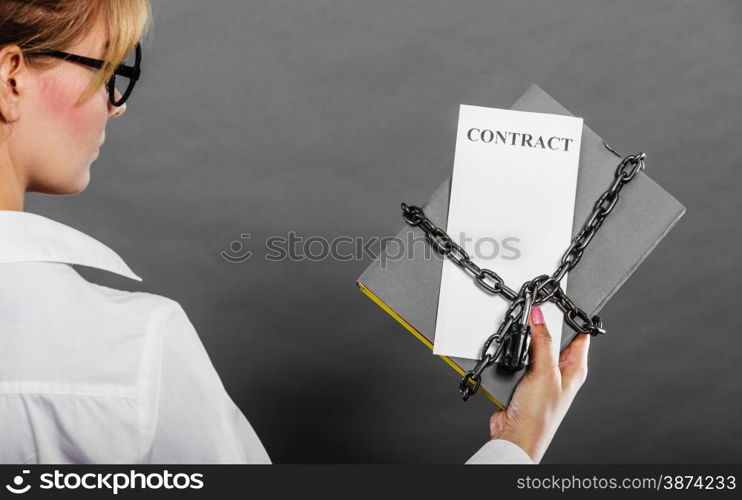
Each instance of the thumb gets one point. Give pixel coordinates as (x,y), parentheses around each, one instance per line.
(497,424)
(573,362)
(543,357)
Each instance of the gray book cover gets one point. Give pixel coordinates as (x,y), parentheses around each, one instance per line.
(407,287)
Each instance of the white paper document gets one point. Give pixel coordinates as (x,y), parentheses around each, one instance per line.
(511,208)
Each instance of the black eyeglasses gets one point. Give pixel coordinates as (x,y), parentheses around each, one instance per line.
(129,74)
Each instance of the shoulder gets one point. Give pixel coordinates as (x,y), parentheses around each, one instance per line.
(69,329)
(158,310)
(93,353)
(39,285)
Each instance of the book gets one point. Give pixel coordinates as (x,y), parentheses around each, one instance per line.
(408,288)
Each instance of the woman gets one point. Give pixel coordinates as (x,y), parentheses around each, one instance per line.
(90,374)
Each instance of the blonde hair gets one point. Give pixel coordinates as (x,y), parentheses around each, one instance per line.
(38,25)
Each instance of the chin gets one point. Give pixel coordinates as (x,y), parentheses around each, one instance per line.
(80,183)
(67,186)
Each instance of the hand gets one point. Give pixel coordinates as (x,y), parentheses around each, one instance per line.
(545,393)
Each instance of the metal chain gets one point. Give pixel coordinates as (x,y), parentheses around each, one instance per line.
(442,243)
(472,379)
(541,288)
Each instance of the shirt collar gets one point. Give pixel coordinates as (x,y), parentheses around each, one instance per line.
(28,237)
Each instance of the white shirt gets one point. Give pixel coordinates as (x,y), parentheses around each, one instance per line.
(91,374)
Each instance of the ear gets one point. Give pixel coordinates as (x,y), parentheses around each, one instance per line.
(13,73)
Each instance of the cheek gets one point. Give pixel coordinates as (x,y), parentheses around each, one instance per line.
(80,124)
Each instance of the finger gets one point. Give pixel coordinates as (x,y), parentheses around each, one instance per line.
(543,357)
(497,424)
(573,362)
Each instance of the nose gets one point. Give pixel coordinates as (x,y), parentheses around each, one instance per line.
(116,111)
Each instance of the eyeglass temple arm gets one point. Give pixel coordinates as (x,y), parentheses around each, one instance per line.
(132,72)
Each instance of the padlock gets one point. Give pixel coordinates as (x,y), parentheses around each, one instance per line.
(517,340)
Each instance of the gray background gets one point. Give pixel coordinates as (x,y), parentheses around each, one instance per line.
(320,117)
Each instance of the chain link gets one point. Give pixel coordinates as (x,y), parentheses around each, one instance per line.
(442,243)
(540,289)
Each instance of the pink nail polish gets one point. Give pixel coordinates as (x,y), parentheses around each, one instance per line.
(537,317)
